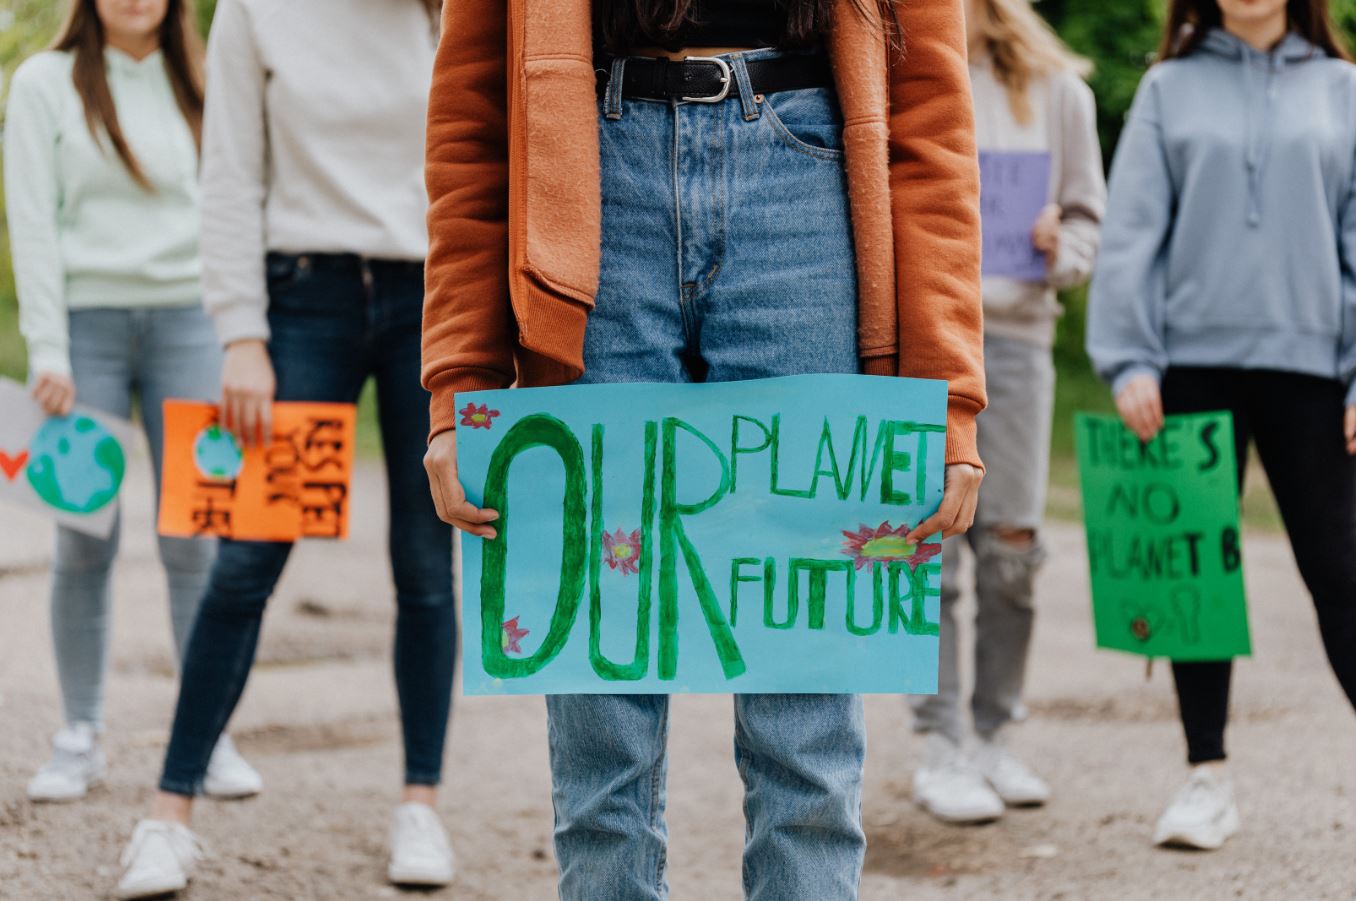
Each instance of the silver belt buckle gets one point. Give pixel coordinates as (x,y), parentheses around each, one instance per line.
(724,79)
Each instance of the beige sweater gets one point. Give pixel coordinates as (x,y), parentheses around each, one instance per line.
(1064,123)
(313,141)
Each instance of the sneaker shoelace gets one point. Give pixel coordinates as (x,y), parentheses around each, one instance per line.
(1197,791)
(177,838)
(424,831)
(62,761)
(1007,765)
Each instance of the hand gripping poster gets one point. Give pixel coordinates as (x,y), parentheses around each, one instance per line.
(735,537)
(69,467)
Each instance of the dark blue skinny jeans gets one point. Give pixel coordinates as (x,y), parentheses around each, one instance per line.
(335,320)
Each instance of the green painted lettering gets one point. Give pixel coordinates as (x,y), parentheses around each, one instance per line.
(539,430)
(736,448)
(640,659)
(673,541)
(776,462)
(819,580)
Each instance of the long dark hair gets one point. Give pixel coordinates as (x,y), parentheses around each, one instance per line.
(82,34)
(1189,20)
(626,23)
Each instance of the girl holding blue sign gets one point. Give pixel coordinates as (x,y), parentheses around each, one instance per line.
(1227,281)
(101,166)
(680,191)
(1031,104)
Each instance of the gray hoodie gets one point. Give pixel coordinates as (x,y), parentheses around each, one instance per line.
(1230,233)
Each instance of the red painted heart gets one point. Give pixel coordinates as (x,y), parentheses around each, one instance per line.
(11,466)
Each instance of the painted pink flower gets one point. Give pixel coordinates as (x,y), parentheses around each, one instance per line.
(884,544)
(622,551)
(481,417)
(513,636)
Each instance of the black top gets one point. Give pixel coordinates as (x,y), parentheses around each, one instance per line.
(709,23)
(731,23)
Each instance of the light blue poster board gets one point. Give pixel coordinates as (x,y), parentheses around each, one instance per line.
(738,537)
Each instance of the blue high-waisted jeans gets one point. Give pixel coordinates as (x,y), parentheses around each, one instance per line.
(118,354)
(726,255)
(336,320)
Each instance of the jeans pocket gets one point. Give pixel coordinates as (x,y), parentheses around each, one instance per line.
(808,121)
(285,270)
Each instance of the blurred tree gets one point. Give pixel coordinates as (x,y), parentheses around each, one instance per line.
(205,10)
(1120,39)
(28,26)
(31,26)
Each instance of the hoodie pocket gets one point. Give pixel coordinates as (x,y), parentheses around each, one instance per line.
(562,209)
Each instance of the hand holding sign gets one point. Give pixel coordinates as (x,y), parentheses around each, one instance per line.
(1045,233)
(440,462)
(1140,403)
(248,385)
(54,392)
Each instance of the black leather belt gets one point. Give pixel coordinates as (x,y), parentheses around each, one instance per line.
(710,79)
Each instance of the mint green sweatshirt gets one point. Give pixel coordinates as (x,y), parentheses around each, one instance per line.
(84,234)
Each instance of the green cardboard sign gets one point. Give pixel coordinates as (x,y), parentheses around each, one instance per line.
(1163,539)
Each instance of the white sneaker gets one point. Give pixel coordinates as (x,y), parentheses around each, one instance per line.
(77,763)
(420,851)
(950,788)
(159,860)
(1202,814)
(229,776)
(1010,778)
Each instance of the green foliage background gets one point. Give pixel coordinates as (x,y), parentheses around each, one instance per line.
(1119,36)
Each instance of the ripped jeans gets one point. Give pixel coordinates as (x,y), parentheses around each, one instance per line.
(1014,442)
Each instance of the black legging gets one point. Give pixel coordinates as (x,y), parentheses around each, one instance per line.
(1296,421)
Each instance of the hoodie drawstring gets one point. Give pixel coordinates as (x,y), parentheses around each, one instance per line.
(1258,146)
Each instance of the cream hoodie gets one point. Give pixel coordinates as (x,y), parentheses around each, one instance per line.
(84,233)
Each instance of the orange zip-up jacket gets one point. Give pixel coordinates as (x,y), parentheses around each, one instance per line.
(515,212)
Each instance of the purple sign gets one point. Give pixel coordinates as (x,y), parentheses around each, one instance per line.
(1014,188)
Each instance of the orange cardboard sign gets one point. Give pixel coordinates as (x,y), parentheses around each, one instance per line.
(296,486)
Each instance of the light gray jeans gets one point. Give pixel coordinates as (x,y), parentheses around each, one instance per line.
(1014,442)
(116,354)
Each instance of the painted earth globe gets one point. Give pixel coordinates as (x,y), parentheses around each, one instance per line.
(75,464)
(217,454)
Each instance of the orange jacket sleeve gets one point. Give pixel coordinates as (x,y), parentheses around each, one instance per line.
(468,322)
(934,197)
